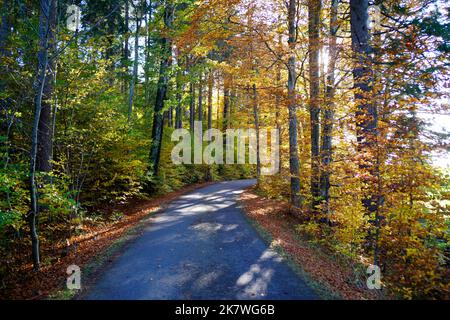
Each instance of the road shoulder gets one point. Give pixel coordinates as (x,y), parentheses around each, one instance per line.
(325,273)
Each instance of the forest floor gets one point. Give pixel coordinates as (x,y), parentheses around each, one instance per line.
(95,246)
(334,276)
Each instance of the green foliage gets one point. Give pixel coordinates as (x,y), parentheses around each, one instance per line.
(13,198)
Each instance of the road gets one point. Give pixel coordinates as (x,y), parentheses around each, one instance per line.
(203,248)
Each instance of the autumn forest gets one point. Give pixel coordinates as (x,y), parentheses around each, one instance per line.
(92,92)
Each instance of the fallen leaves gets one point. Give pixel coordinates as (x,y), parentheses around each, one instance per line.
(27,284)
(273,217)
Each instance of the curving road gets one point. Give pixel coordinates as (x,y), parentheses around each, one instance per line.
(201,247)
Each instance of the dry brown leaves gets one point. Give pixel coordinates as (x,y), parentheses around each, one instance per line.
(273,216)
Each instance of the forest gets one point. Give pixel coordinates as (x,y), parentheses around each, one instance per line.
(91,92)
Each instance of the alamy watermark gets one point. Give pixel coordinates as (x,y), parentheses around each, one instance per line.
(74,278)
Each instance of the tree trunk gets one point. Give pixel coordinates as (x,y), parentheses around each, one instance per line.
(218,104)
(328,112)
(294,162)
(233,104)
(170,117)
(5,27)
(226,103)
(44,153)
(278,106)
(191,106)
(314,9)
(256,119)
(135,68)
(209,176)
(200,99)
(147,55)
(5,104)
(179,108)
(161,94)
(126,50)
(366,114)
(210,98)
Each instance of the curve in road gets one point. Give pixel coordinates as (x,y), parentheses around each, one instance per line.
(201,247)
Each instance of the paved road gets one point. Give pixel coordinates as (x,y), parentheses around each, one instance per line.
(201,247)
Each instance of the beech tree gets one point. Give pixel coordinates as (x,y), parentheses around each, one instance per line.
(87,117)
(293,130)
(161,95)
(40,141)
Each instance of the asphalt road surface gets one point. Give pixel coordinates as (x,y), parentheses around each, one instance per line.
(201,247)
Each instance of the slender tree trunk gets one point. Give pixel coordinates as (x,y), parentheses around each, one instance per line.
(5,104)
(209,176)
(147,54)
(126,50)
(161,94)
(46,9)
(192,106)
(278,106)
(179,109)
(5,27)
(110,48)
(45,143)
(232,104)
(366,114)
(256,119)
(135,67)
(200,98)
(294,162)
(328,112)
(226,110)
(226,103)
(314,9)
(147,18)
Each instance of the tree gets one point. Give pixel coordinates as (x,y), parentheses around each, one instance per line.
(200,98)
(179,97)
(45,134)
(161,95)
(138,20)
(366,114)
(5,27)
(329,109)
(256,117)
(5,31)
(191,105)
(210,98)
